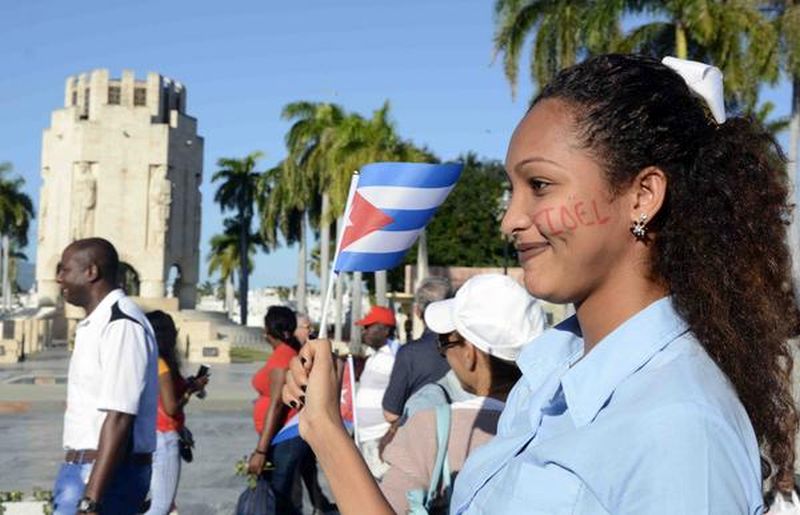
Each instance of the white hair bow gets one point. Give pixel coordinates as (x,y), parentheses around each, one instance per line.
(704,80)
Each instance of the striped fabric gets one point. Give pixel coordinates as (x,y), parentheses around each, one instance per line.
(392,204)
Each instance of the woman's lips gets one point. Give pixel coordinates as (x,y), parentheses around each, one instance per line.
(526,251)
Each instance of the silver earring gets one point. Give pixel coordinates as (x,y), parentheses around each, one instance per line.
(639,228)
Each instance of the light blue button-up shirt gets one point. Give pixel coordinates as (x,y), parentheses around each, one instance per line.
(645,423)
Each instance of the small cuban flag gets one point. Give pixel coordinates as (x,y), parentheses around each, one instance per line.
(391,205)
(290,430)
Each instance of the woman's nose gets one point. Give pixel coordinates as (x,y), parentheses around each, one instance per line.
(515,218)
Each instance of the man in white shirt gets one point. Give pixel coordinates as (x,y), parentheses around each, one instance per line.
(112,389)
(379,327)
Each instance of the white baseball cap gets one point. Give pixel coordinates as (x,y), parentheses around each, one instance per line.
(492,312)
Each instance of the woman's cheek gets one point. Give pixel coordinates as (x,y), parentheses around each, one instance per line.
(570,216)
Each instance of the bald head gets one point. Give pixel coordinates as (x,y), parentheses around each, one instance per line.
(98,252)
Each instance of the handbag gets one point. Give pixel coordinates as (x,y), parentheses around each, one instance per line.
(434,500)
(186,444)
(782,506)
(257,500)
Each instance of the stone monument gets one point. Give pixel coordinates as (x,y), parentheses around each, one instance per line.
(122,160)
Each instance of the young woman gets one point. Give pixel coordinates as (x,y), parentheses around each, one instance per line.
(669,391)
(270,414)
(175,392)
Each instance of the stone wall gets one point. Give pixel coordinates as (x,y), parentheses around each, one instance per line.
(121,160)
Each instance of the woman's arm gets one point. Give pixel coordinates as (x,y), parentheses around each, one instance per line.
(312,376)
(272,417)
(172,405)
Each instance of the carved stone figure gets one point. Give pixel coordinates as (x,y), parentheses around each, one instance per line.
(84,200)
(44,202)
(160,202)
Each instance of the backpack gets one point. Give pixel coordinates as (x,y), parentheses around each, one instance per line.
(435,500)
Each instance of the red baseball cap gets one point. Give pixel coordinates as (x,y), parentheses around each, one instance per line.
(378,315)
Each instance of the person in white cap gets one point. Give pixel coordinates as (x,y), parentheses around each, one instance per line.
(481,331)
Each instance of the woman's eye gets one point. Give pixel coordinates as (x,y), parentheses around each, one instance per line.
(537,185)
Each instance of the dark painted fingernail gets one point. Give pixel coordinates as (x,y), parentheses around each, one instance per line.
(293,404)
(303,387)
(302,399)
(303,361)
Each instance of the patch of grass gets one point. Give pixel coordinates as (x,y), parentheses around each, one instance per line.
(248,355)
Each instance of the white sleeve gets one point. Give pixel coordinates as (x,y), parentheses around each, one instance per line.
(123,366)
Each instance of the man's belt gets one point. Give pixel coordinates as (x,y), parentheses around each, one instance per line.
(81,457)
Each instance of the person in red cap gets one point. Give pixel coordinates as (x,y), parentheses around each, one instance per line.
(378,334)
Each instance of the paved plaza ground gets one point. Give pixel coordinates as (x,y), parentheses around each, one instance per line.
(31,424)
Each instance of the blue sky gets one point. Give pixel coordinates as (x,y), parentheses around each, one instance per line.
(242,61)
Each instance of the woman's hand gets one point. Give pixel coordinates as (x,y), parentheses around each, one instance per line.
(256,463)
(197,384)
(312,385)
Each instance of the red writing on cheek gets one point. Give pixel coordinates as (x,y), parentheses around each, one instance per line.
(579,212)
(570,216)
(567,221)
(548,220)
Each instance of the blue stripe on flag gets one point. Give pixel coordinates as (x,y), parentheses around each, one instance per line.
(412,175)
(368,261)
(287,433)
(408,219)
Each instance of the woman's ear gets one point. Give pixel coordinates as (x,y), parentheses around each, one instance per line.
(648,193)
(470,356)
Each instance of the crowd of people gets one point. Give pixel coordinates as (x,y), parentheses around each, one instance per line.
(668,391)
(464,361)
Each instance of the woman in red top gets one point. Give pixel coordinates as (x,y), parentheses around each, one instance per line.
(270,414)
(175,392)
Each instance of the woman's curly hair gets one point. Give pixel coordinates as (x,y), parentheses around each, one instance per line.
(720,238)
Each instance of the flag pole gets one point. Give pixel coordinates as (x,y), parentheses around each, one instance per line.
(352,374)
(323,329)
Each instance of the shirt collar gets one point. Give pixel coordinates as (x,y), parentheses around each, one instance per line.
(556,348)
(103,307)
(591,381)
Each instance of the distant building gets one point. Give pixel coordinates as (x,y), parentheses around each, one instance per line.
(122,160)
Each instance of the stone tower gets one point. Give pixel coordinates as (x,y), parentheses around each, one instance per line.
(122,160)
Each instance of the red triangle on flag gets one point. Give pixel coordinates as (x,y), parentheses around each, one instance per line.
(364,219)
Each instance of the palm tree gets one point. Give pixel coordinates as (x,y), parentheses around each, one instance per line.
(308,142)
(225,256)
(239,181)
(16,207)
(563,33)
(734,36)
(786,17)
(361,141)
(16,213)
(283,213)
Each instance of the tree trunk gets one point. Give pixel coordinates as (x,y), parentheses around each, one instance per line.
(229,296)
(422,258)
(794,228)
(302,266)
(244,235)
(337,312)
(380,288)
(355,311)
(681,45)
(6,298)
(324,247)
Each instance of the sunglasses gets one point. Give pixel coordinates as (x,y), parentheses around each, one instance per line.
(443,342)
